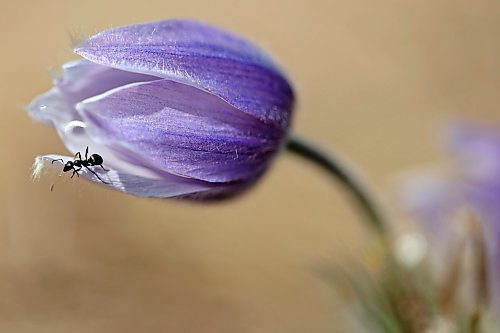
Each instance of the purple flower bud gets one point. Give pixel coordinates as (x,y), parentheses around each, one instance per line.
(174,108)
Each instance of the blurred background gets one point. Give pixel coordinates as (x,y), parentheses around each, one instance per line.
(374,80)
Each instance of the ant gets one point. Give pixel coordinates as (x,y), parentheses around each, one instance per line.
(78,163)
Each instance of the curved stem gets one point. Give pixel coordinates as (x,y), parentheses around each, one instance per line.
(343,175)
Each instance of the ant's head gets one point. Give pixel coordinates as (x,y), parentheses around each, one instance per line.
(68,166)
(95,159)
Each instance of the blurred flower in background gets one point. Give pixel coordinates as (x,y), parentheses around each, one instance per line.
(175,108)
(470,190)
(444,276)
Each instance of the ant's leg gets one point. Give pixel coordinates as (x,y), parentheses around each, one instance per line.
(78,155)
(86,153)
(59,159)
(95,174)
(75,172)
(104,168)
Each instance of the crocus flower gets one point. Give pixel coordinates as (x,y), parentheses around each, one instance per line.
(473,187)
(174,108)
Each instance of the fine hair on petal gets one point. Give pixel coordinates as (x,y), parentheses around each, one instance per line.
(37,168)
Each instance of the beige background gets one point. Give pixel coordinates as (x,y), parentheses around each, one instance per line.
(374,80)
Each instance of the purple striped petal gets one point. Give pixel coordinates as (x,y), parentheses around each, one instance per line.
(182,130)
(200,55)
(82,79)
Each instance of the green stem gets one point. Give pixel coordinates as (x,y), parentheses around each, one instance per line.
(345,177)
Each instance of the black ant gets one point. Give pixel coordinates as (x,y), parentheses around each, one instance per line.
(77,164)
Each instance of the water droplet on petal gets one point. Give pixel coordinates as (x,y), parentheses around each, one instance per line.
(75,127)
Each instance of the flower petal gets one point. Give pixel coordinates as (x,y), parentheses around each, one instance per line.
(434,198)
(83,79)
(182,130)
(52,109)
(165,187)
(476,149)
(80,80)
(76,138)
(201,55)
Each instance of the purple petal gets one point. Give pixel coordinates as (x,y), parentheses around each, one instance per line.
(164,187)
(200,55)
(433,199)
(83,79)
(76,138)
(80,80)
(182,130)
(477,150)
(53,109)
